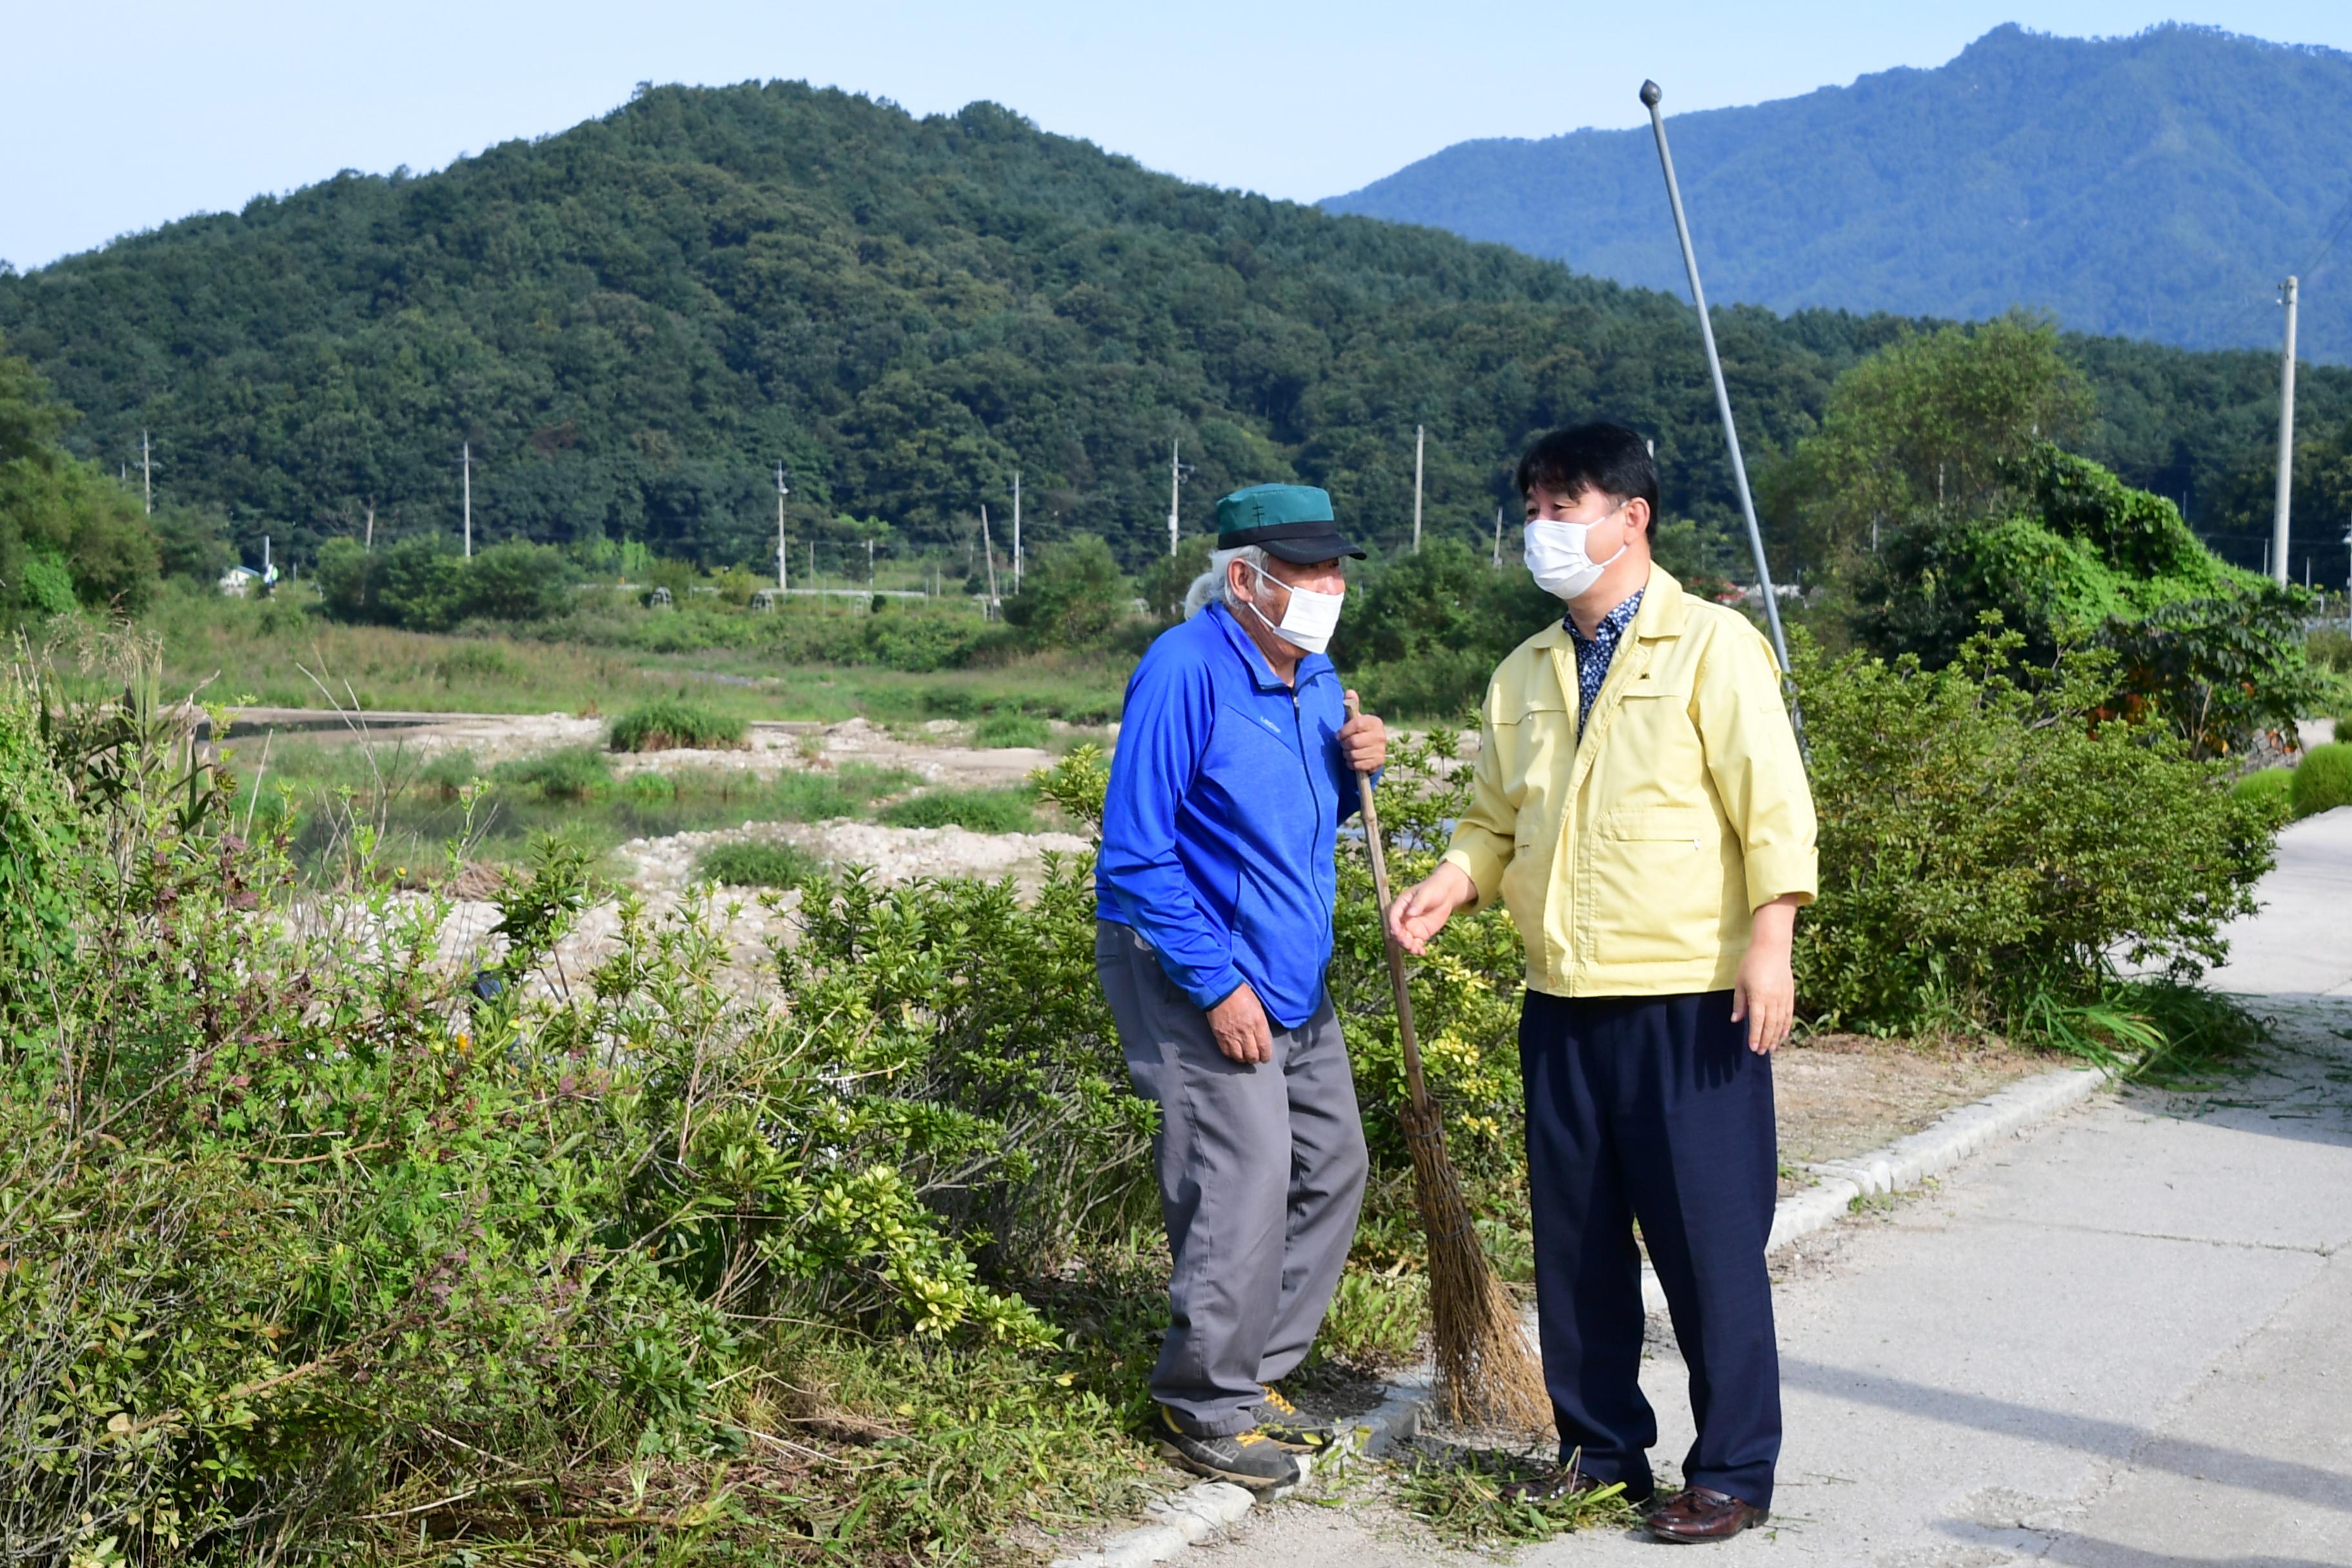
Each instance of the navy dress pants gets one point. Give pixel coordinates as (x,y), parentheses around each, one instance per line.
(1652,1109)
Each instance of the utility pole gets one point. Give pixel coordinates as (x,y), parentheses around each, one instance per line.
(147,472)
(1416,489)
(2278,562)
(1175,479)
(869,569)
(784,584)
(466,456)
(1498,539)
(1017,531)
(988,548)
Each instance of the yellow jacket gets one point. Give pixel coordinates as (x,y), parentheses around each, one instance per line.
(1632,862)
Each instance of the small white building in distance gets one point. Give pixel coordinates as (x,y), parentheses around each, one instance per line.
(237,582)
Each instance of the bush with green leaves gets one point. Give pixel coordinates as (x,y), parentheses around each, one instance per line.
(425,585)
(1987,840)
(1071,597)
(2323,780)
(2270,788)
(318,1235)
(670,724)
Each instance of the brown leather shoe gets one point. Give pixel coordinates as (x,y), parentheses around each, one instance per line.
(1698,1514)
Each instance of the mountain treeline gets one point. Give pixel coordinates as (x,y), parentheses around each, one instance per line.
(2159,184)
(633,322)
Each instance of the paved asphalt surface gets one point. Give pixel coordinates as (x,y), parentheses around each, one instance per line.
(2121,1342)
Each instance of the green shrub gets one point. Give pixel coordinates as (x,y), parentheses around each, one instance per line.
(768,863)
(448,773)
(669,724)
(2269,789)
(1376,1320)
(2323,780)
(1984,844)
(981,810)
(2330,649)
(1005,729)
(1070,597)
(649,788)
(574,773)
(312,1237)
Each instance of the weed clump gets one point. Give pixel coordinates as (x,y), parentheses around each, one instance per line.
(575,773)
(2323,780)
(668,724)
(981,810)
(999,731)
(756,863)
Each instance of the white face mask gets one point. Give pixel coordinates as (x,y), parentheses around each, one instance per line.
(1310,617)
(1557,558)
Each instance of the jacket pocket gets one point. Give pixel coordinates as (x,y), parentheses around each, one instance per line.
(1660,887)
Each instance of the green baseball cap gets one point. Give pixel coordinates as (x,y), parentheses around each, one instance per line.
(1289,522)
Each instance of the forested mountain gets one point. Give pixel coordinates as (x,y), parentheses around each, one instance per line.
(633,322)
(2158,185)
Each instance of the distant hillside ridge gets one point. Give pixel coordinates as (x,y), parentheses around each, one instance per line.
(2158,185)
(629,324)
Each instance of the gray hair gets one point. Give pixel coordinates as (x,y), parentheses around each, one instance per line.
(1216,582)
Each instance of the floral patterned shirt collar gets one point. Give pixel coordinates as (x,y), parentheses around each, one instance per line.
(1594,654)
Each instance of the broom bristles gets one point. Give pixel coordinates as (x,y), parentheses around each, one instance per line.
(1485,1375)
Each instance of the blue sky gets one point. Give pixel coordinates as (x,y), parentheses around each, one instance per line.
(121,117)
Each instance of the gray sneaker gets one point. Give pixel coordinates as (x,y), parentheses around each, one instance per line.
(1284,1425)
(1247,1459)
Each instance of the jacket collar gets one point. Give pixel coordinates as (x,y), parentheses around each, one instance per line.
(1664,612)
(1254,657)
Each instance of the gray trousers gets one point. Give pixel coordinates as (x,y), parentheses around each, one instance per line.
(1261,1174)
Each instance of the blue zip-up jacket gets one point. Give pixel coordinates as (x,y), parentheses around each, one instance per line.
(1227,794)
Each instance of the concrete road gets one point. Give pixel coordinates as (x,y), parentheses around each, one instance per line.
(2123,1342)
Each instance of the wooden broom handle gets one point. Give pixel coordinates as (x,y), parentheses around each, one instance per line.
(1371,820)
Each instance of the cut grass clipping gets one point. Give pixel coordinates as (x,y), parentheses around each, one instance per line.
(669,725)
(981,810)
(756,863)
(1002,730)
(1458,1493)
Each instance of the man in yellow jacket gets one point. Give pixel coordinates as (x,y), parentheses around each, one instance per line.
(1640,805)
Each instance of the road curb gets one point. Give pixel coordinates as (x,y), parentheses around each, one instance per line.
(1183,1518)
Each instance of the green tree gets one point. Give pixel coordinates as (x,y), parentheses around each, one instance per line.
(1929,429)
(1071,596)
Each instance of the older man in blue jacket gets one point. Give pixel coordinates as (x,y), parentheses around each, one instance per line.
(1235,765)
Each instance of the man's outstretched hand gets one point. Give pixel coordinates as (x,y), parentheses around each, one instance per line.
(1239,1025)
(1421,911)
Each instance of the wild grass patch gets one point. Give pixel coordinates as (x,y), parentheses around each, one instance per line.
(981,810)
(668,724)
(762,863)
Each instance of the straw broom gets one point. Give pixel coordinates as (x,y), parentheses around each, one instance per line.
(1484,1370)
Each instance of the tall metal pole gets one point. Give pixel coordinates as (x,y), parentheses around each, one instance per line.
(2286,446)
(147,472)
(1650,97)
(1017,531)
(784,573)
(1416,489)
(1175,479)
(466,456)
